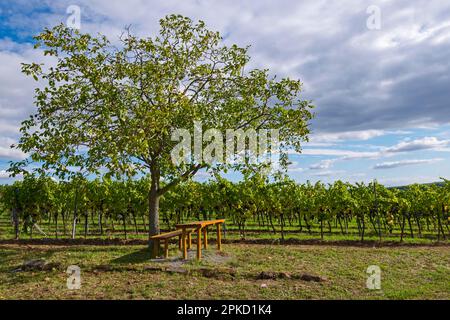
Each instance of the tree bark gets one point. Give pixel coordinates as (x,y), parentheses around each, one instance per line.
(135,222)
(15,218)
(75,216)
(86,219)
(340,224)
(402,227)
(63,216)
(100,222)
(321,228)
(153,209)
(56,225)
(124,222)
(15,214)
(153,202)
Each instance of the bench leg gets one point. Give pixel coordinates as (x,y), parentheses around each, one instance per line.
(219,238)
(199,243)
(155,248)
(179,243)
(166,248)
(189,240)
(183,243)
(205,238)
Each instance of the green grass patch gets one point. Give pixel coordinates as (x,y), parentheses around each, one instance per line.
(126,272)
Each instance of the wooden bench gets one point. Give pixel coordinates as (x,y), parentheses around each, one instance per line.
(200,227)
(166,236)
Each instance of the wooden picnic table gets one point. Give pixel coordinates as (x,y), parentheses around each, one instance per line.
(200,227)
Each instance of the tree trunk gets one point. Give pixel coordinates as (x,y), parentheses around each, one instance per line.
(153,211)
(439,227)
(75,217)
(346,224)
(100,222)
(15,217)
(402,227)
(271,224)
(321,228)
(363,227)
(144,222)
(124,222)
(74,226)
(56,225)
(300,222)
(308,226)
(153,202)
(282,227)
(340,224)
(86,219)
(418,225)
(410,226)
(135,223)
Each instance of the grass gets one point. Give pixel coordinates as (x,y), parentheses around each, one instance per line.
(121,272)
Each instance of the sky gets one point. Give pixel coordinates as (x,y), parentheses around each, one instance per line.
(378,73)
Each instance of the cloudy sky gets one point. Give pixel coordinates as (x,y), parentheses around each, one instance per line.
(381,87)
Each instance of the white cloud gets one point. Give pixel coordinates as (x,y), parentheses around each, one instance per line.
(418,144)
(431,143)
(295,169)
(324,164)
(345,154)
(328,173)
(325,44)
(7,152)
(402,163)
(4,174)
(16,93)
(349,135)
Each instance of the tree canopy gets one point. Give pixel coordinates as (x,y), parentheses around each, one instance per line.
(113,106)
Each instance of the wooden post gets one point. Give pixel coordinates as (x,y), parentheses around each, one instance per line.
(205,238)
(155,248)
(219,238)
(189,240)
(199,243)
(166,248)
(179,242)
(183,243)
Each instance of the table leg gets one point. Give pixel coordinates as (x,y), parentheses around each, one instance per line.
(189,240)
(183,243)
(199,243)
(166,248)
(205,238)
(219,238)
(155,248)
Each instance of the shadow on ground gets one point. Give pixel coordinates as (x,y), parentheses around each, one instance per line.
(140,256)
(143,256)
